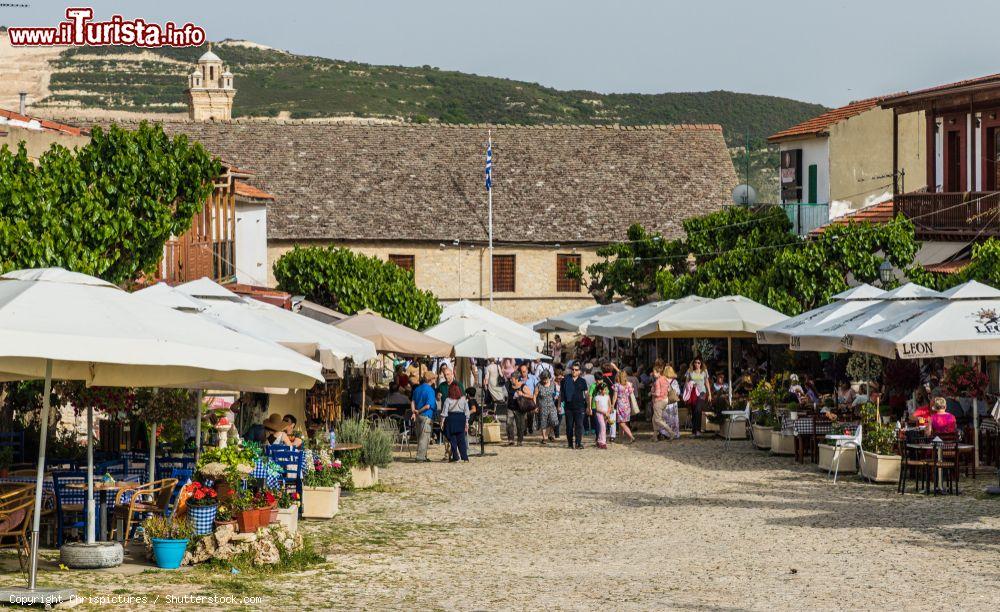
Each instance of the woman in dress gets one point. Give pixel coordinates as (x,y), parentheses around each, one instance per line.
(622,394)
(545,397)
(670,410)
(699,393)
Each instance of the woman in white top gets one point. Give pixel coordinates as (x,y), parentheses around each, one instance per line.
(455,422)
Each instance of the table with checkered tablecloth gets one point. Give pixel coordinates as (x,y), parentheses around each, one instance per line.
(268,471)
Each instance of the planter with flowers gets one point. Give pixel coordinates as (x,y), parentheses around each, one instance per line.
(321,486)
(879,461)
(203,503)
(227,468)
(288,510)
(224,516)
(245,511)
(266,505)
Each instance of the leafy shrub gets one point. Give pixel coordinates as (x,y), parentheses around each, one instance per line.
(376,449)
(876,437)
(350,282)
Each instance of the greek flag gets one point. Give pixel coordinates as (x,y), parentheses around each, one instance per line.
(489,166)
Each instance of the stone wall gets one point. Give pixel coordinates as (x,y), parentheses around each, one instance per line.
(462,272)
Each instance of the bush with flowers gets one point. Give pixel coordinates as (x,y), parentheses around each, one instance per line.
(287,500)
(963,380)
(264,499)
(200,495)
(324,471)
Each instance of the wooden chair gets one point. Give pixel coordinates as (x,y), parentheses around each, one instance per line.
(914,466)
(152,499)
(16,514)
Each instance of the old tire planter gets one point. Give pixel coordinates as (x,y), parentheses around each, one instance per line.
(98,555)
(168,554)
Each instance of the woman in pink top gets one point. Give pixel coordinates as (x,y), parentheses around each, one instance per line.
(941,421)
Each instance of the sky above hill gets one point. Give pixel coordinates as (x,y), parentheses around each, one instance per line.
(826,52)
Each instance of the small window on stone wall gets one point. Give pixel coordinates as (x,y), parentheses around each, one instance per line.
(503,273)
(405,262)
(564,264)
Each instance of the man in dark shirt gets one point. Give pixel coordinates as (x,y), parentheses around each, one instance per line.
(573,392)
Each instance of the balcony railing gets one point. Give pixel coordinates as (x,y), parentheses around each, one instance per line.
(969,214)
(806,217)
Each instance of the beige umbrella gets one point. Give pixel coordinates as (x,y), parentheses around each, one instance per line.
(391,337)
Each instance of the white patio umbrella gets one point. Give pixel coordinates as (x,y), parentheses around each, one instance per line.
(577,321)
(843,304)
(967,322)
(485,345)
(825,335)
(732,316)
(625,324)
(465,308)
(457,329)
(62,325)
(327,343)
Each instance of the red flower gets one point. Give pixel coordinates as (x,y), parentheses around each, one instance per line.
(199,494)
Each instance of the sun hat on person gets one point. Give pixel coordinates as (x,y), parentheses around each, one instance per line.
(275,422)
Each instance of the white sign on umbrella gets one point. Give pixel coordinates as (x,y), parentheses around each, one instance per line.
(825,336)
(845,303)
(62,325)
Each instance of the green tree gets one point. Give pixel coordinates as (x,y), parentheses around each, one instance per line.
(629,268)
(350,282)
(104,209)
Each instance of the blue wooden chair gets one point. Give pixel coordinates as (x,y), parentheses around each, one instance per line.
(70,502)
(183,477)
(290,460)
(14,440)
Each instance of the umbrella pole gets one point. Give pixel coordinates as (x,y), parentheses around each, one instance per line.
(152,452)
(729,355)
(975,437)
(197,429)
(91,530)
(364,388)
(40,477)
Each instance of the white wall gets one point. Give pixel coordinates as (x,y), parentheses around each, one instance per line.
(814,151)
(251,244)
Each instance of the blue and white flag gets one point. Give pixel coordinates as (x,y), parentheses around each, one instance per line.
(489,166)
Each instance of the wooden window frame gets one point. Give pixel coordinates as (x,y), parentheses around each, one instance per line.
(410,261)
(500,278)
(565,284)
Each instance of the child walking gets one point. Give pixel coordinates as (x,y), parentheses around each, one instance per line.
(602,407)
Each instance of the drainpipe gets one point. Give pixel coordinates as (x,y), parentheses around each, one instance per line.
(24,102)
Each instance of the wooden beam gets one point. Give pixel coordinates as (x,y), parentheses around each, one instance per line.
(895,153)
(931,149)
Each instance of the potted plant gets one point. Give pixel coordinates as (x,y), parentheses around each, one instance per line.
(764,424)
(491,430)
(203,503)
(321,486)
(879,461)
(266,505)
(224,516)
(288,510)
(244,510)
(6,460)
(169,538)
(227,467)
(376,451)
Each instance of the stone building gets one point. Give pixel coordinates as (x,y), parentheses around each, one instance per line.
(210,90)
(415,195)
(38,134)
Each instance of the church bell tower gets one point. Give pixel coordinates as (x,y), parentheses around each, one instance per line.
(210,90)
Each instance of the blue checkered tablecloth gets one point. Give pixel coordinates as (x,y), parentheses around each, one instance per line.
(269,472)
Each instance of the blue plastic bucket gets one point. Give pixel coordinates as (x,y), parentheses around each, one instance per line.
(169,553)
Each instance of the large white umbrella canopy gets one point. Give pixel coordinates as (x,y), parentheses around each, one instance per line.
(731,316)
(457,329)
(826,336)
(70,326)
(578,321)
(844,303)
(625,324)
(467,309)
(485,345)
(326,343)
(966,323)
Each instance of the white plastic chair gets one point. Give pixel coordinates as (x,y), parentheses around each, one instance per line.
(843,443)
(736,416)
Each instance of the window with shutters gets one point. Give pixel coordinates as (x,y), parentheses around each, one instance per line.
(405,262)
(503,273)
(564,264)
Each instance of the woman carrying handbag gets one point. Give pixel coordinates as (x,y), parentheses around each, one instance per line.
(625,403)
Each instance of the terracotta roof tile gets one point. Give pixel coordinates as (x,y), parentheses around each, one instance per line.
(876,213)
(246,190)
(819,125)
(949,267)
(46,124)
(940,88)
(565,184)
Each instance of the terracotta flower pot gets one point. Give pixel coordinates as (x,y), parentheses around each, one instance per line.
(234,523)
(247,521)
(263,517)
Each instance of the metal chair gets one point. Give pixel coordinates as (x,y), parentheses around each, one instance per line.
(402,433)
(842,444)
(735,416)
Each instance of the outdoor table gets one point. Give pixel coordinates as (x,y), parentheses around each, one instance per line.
(103,489)
(929,446)
(838,437)
(731,416)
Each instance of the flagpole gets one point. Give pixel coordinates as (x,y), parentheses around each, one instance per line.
(489,200)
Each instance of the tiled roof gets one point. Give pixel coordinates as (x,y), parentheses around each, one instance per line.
(343,181)
(819,125)
(246,190)
(941,88)
(43,124)
(876,213)
(949,267)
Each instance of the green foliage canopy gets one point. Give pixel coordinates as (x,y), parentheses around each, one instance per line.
(350,282)
(105,209)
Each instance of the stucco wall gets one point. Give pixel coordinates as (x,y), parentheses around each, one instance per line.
(861,155)
(37,141)
(251,243)
(815,151)
(452,276)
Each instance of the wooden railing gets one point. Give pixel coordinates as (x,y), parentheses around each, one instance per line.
(957,214)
